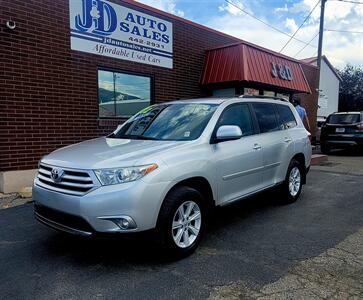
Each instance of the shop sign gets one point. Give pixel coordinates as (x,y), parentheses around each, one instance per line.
(108,29)
(281,71)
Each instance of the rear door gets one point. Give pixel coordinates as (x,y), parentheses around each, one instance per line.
(238,162)
(292,136)
(275,141)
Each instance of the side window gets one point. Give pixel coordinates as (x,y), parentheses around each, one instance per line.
(238,114)
(286,117)
(266,117)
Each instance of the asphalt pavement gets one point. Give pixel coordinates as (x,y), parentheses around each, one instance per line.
(253,249)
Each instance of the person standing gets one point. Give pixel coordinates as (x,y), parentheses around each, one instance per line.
(302,112)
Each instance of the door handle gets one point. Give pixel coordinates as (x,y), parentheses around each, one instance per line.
(256,147)
(287,140)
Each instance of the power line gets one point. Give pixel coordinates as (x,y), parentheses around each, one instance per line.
(307,17)
(350,1)
(273,27)
(306,45)
(348,31)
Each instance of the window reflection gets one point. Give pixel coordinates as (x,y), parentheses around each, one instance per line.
(106,94)
(122,95)
(178,122)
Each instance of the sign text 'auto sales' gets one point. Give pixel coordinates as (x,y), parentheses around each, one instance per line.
(108,29)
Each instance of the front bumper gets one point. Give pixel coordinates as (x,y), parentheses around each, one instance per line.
(52,219)
(101,209)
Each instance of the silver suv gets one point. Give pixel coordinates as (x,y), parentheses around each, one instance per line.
(167,165)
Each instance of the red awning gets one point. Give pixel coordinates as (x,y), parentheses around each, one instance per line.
(244,62)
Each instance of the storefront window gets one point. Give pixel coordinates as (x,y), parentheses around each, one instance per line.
(269,93)
(121,94)
(231,92)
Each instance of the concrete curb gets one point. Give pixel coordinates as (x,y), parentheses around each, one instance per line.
(316,159)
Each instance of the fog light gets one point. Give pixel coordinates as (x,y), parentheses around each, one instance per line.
(124,224)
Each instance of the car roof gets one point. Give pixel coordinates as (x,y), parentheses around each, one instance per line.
(347,112)
(218,101)
(199,100)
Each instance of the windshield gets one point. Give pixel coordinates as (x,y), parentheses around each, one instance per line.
(344,119)
(177,122)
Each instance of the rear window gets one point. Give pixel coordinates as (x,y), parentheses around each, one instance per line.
(344,119)
(286,117)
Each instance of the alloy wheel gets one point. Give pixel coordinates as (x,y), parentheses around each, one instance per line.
(186,224)
(294,181)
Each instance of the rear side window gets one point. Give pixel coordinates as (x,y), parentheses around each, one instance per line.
(239,115)
(266,117)
(286,117)
(344,119)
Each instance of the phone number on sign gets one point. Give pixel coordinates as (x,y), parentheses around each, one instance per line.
(147,43)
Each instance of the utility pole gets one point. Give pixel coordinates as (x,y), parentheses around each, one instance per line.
(321,32)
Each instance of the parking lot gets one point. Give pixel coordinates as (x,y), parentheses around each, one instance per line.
(253,249)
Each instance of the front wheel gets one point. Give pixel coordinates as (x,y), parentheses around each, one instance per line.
(181,221)
(291,188)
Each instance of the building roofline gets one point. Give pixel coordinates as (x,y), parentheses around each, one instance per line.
(332,68)
(242,42)
(309,60)
(313,60)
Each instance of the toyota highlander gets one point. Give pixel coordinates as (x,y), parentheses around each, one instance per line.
(167,165)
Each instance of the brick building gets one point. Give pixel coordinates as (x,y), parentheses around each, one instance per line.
(72,70)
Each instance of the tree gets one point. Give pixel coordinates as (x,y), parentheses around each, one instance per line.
(351,89)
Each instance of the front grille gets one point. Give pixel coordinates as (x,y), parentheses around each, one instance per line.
(62,218)
(73,182)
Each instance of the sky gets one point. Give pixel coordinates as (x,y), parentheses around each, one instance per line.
(341,48)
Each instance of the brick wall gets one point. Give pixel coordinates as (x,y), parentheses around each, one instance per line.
(48,95)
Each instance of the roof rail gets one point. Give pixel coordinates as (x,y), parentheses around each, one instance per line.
(264,97)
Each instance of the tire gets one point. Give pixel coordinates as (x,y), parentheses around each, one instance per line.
(324,149)
(291,187)
(175,242)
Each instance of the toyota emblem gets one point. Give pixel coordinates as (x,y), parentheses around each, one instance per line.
(56,174)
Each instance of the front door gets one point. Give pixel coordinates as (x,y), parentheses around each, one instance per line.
(239,162)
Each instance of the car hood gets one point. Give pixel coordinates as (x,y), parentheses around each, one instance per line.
(108,153)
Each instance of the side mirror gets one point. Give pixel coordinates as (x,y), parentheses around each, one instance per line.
(228,133)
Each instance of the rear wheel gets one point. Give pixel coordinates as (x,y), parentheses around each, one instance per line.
(291,188)
(181,221)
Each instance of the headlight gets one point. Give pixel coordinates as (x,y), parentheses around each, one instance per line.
(122,175)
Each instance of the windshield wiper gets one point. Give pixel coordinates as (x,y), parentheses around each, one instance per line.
(133,137)
(141,137)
